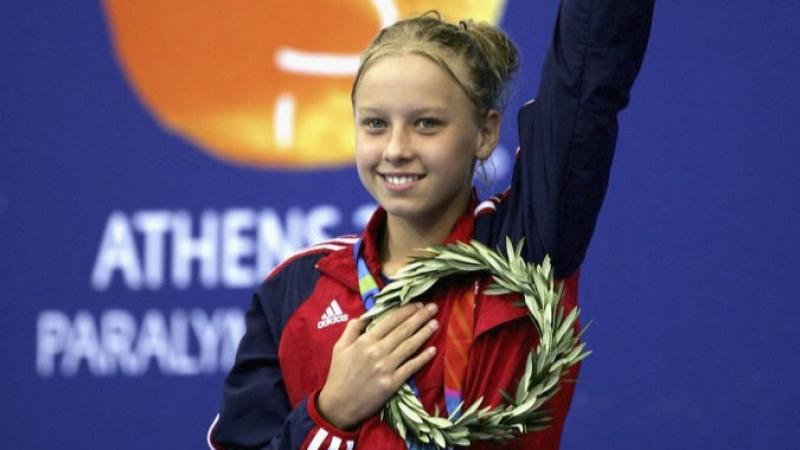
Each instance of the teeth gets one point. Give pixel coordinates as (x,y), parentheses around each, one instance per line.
(399,181)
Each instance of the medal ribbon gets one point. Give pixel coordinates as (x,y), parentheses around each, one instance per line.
(460,329)
(367,285)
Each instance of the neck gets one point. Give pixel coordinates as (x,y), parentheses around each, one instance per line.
(404,238)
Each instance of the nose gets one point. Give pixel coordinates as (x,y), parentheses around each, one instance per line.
(399,148)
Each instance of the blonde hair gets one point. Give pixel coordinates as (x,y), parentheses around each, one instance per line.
(488,54)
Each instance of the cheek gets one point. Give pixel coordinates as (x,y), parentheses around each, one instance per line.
(369,150)
(363,156)
(460,156)
(366,159)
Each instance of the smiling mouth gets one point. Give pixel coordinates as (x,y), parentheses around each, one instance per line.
(400,181)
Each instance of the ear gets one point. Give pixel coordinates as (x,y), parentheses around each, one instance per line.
(489,135)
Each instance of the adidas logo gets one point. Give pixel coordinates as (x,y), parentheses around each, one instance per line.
(333,314)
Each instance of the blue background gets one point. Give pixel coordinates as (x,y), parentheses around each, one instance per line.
(690,280)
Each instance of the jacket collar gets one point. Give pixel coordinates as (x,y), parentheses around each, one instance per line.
(493,310)
(340,264)
(373,236)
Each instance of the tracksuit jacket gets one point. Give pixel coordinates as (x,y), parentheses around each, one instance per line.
(567,138)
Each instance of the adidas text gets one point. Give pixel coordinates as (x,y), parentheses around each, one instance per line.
(333,314)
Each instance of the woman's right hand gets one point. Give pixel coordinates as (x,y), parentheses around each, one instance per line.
(367,368)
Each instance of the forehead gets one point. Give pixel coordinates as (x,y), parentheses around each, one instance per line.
(406,78)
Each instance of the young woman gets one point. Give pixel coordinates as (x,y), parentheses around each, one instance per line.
(427,104)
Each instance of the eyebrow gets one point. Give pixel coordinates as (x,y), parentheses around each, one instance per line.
(413,112)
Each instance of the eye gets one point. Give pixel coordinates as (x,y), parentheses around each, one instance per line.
(428,123)
(373,124)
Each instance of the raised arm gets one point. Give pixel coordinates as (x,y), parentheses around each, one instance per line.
(567,135)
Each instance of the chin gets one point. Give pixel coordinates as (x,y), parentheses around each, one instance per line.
(403,211)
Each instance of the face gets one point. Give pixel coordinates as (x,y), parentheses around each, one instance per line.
(417,138)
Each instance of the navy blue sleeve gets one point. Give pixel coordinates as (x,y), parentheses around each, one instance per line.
(256,412)
(568,134)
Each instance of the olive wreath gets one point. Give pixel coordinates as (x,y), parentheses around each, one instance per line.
(559,346)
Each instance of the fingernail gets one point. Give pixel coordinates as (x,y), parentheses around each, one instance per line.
(432,351)
(418,305)
(434,324)
(432,307)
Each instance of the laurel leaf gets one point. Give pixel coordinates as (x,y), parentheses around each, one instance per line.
(524,383)
(440,422)
(566,325)
(395,418)
(462,442)
(473,407)
(511,254)
(438,438)
(409,413)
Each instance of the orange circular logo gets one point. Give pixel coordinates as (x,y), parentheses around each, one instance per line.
(262,83)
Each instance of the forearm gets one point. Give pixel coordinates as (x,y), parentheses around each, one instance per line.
(597,50)
(568,136)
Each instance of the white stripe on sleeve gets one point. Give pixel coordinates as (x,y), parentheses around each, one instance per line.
(335,441)
(319,438)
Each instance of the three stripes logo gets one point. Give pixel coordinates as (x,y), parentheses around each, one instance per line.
(333,314)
